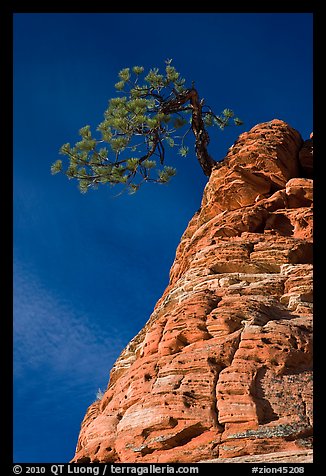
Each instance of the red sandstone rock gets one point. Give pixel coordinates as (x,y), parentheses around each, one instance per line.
(306,158)
(222,370)
(296,457)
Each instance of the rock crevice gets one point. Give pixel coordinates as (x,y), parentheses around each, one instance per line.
(222,370)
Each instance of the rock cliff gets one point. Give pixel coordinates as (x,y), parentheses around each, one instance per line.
(222,370)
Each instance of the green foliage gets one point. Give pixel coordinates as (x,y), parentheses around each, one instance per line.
(56,167)
(208,120)
(85,132)
(119,85)
(124,74)
(170,141)
(237,121)
(149,164)
(166,174)
(155,80)
(132,164)
(171,73)
(222,120)
(228,113)
(137,126)
(183,151)
(138,69)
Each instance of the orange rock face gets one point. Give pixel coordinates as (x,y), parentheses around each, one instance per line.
(223,367)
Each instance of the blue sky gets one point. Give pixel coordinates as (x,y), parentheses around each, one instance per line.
(88,269)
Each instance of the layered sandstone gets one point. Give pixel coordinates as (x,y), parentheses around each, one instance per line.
(222,370)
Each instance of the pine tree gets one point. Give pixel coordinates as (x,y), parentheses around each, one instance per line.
(153,112)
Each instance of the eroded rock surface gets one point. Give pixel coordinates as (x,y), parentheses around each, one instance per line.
(223,368)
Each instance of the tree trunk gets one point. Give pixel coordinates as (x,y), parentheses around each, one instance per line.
(201,135)
(197,124)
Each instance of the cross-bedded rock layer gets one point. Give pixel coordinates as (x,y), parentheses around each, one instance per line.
(223,367)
